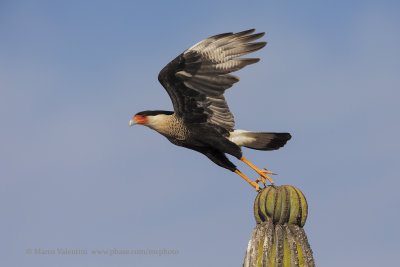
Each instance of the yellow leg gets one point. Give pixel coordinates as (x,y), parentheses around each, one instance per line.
(254,184)
(262,173)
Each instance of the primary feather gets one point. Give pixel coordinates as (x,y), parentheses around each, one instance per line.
(197,79)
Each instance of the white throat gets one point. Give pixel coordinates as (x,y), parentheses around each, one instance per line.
(158,122)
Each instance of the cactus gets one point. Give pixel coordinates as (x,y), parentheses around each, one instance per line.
(278,238)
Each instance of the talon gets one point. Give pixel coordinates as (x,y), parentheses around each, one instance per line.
(269,172)
(264,172)
(260,179)
(256,185)
(266,176)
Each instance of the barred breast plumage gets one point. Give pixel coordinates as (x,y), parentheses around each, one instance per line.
(170,126)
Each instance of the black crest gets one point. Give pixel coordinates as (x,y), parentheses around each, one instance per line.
(154,112)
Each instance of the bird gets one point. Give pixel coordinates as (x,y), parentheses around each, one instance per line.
(196,81)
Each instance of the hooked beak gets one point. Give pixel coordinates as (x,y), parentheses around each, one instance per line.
(131,123)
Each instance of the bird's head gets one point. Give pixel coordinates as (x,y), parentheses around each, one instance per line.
(139,118)
(148,117)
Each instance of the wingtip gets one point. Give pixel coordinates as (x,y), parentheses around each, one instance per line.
(221,35)
(261,34)
(246,32)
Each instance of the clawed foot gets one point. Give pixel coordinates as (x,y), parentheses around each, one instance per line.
(263,175)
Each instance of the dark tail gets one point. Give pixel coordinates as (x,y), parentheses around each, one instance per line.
(262,141)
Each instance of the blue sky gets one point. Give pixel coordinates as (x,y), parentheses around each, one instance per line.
(75,176)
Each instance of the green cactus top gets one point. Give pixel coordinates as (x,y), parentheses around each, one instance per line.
(281,204)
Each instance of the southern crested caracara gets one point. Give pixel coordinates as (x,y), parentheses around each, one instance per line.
(196,81)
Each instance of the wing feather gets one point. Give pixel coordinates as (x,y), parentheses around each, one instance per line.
(197,79)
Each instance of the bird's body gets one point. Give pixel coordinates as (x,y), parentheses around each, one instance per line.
(196,81)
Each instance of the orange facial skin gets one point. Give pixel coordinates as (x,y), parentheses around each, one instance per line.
(139,119)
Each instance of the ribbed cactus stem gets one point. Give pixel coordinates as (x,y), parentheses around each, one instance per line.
(278,238)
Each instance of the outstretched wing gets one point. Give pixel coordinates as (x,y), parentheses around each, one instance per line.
(197,79)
